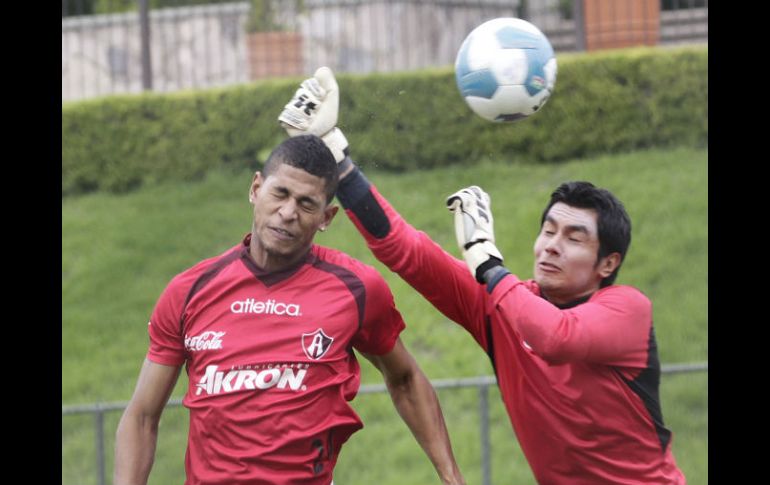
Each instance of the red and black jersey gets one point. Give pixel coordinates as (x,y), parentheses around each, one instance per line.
(270,361)
(580,384)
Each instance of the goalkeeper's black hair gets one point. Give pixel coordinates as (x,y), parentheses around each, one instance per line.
(613,223)
(308,153)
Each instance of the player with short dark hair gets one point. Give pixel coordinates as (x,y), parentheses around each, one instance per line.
(303,154)
(612,221)
(266,332)
(575,355)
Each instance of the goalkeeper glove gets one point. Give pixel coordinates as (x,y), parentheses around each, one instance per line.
(474,231)
(314,109)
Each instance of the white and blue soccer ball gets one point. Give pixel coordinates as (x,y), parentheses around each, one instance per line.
(505,69)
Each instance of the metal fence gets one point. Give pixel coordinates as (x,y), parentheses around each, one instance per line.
(184,46)
(481,383)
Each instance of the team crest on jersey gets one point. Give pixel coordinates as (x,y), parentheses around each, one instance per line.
(316,344)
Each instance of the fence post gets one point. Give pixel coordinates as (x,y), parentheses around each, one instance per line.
(485,451)
(522,10)
(580,27)
(144,28)
(99,418)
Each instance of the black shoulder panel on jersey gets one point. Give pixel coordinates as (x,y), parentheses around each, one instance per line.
(351,281)
(354,193)
(207,276)
(646,386)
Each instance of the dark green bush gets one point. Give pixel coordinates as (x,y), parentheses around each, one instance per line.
(603,102)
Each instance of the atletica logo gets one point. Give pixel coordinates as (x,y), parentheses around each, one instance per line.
(217,382)
(270,307)
(205,341)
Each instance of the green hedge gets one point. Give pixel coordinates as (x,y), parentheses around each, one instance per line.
(603,102)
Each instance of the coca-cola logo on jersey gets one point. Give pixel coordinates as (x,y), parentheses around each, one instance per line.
(205,341)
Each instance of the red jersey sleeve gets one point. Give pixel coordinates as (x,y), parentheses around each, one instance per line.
(441,278)
(612,327)
(164,328)
(382,322)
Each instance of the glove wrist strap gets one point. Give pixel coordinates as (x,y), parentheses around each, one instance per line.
(344,164)
(337,143)
(481,257)
(494,275)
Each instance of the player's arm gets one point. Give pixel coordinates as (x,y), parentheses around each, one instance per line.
(611,329)
(416,402)
(412,254)
(138,428)
(408,252)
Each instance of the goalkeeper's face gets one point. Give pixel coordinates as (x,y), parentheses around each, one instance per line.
(289,208)
(567,263)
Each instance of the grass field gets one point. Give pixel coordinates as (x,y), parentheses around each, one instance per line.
(118,253)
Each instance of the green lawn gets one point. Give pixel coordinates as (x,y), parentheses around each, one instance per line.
(118,253)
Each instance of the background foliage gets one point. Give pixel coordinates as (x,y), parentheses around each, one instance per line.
(606,102)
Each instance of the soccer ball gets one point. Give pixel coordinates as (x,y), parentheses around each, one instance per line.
(505,69)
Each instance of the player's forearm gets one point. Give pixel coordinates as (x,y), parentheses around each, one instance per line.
(608,329)
(393,242)
(410,253)
(549,331)
(134,449)
(354,193)
(417,404)
(391,239)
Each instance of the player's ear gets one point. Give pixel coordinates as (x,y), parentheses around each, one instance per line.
(256,182)
(608,264)
(329,213)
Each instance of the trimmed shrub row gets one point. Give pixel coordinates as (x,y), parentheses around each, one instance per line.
(603,102)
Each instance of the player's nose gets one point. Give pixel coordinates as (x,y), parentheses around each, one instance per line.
(288,210)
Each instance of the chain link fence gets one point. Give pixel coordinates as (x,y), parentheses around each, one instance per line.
(482,384)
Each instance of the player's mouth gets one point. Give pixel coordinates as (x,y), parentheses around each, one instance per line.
(548,267)
(280,233)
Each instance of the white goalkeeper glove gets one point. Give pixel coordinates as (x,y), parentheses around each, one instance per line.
(474,230)
(314,109)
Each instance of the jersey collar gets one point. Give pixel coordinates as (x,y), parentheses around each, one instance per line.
(270,278)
